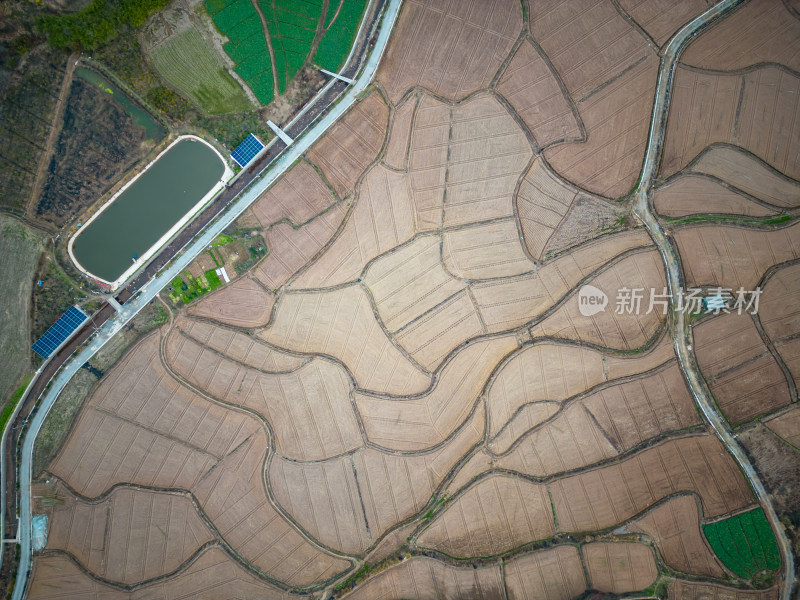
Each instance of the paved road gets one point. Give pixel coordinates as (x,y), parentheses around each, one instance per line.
(681,334)
(134,301)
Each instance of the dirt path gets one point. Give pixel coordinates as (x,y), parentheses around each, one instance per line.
(268,38)
(55,129)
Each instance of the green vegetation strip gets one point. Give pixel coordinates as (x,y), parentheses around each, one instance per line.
(15,398)
(763,221)
(745,543)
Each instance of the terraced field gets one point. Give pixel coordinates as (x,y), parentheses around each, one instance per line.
(407,397)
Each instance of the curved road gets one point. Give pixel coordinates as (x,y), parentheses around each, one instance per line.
(681,335)
(178,265)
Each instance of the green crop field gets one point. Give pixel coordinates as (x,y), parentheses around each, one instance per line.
(238,20)
(292,25)
(745,543)
(188,64)
(335,46)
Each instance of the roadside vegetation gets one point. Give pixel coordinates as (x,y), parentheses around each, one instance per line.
(746,545)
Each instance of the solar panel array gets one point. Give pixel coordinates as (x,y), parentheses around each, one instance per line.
(59,331)
(246,151)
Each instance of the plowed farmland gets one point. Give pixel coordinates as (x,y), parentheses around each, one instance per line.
(402,393)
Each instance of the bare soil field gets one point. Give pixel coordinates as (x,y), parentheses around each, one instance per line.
(619,567)
(410,281)
(554,574)
(298,195)
(423,421)
(352,144)
(394,487)
(509,303)
(749,174)
(291,248)
(451,48)
(396,155)
(306,322)
(786,425)
(569,441)
(758,32)
(780,317)
(660,20)
(612,494)
(486,153)
(732,257)
(323,497)
(542,202)
(383,218)
(309,408)
(625,331)
(533,90)
(531,386)
(495,515)
(690,194)
(141,426)
(128,537)
(428,579)
(744,377)
(675,529)
(487,251)
(633,412)
(616,116)
(211,575)
(693,590)
(243,303)
(755,111)
(240,347)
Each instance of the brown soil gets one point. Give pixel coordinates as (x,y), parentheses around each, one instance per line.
(761,31)
(744,377)
(619,567)
(732,257)
(660,20)
(243,303)
(555,574)
(675,529)
(694,194)
(352,143)
(693,590)
(755,111)
(533,90)
(453,49)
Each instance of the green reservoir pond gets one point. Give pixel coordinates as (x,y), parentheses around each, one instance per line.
(152,128)
(147,209)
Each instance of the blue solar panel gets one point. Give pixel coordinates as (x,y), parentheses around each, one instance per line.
(59,331)
(246,151)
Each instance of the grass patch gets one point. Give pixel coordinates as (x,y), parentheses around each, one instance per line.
(745,543)
(221,240)
(188,64)
(257,248)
